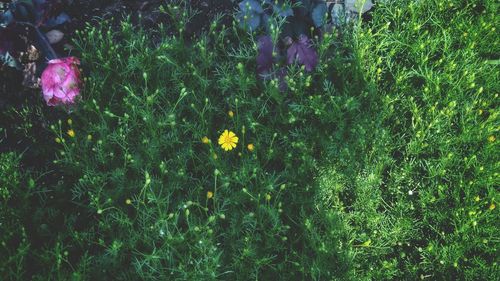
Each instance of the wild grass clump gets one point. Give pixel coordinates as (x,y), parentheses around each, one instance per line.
(14,242)
(418,185)
(160,199)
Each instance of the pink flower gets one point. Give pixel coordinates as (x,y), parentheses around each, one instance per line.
(61,81)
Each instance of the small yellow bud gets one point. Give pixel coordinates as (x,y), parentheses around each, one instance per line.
(250,147)
(58,140)
(71,133)
(128,201)
(205,140)
(230,113)
(210,194)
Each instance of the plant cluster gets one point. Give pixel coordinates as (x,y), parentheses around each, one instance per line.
(301,16)
(181,165)
(417,182)
(288,25)
(378,163)
(14,241)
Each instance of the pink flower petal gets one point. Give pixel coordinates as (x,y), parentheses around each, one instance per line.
(61,81)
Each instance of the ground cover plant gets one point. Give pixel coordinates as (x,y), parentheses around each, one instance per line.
(418,181)
(180,162)
(156,195)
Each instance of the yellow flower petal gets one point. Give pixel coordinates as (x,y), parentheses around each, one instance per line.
(228,140)
(367,243)
(221,139)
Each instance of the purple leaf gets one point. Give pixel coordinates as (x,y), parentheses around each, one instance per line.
(303,52)
(265,56)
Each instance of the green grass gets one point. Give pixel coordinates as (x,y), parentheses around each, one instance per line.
(419,190)
(139,172)
(380,165)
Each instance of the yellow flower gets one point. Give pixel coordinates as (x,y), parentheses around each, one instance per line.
(492,206)
(228,140)
(491,138)
(367,243)
(250,147)
(210,194)
(205,140)
(230,113)
(71,133)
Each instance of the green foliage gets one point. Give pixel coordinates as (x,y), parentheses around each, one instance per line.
(13,241)
(9,175)
(135,160)
(421,183)
(300,17)
(381,164)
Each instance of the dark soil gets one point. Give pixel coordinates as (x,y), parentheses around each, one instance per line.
(146,14)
